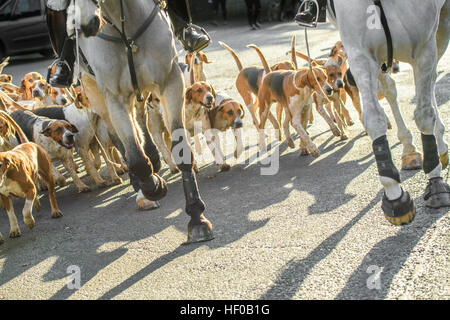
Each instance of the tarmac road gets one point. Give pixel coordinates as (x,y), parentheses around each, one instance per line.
(314,230)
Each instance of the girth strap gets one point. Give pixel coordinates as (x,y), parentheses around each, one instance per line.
(387,32)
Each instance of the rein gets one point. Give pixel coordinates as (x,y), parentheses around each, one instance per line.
(129,42)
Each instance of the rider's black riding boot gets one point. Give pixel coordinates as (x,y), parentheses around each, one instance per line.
(192,37)
(309,14)
(64,48)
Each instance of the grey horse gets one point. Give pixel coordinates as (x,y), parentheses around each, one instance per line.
(420,32)
(113,96)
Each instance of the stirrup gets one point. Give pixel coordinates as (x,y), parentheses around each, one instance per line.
(301,9)
(199,30)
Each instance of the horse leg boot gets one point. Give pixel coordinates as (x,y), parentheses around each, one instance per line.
(141,173)
(192,37)
(437,192)
(150,151)
(172,100)
(63,47)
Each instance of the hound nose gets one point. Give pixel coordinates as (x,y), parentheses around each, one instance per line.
(340,84)
(63,100)
(209,98)
(69,137)
(92,28)
(329,91)
(237,123)
(36,93)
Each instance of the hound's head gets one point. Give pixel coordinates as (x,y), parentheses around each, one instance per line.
(285,65)
(5,128)
(62,132)
(200,58)
(201,93)
(228,114)
(81,100)
(33,85)
(6,162)
(335,76)
(58,95)
(315,78)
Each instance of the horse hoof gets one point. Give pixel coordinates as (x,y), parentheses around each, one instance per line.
(200,231)
(146,205)
(444,160)
(411,161)
(437,194)
(400,211)
(102,184)
(304,152)
(84,189)
(154,193)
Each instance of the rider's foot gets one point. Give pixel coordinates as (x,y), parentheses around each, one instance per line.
(62,77)
(194,38)
(308,16)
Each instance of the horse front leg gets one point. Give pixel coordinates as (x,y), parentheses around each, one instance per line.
(172,99)
(141,173)
(397,205)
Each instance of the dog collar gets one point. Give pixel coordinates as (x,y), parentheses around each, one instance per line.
(294,84)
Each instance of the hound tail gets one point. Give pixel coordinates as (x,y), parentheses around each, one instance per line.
(4,64)
(261,56)
(235,56)
(22,137)
(293,56)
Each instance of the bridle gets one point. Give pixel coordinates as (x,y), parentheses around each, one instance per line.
(129,42)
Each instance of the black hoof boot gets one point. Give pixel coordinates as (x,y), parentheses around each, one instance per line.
(154,193)
(199,230)
(400,211)
(62,78)
(437,194)
(194,38)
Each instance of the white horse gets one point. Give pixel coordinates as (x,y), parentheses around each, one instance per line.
(420,31)
(114,99)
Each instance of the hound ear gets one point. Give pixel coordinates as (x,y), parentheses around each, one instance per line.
(242,111)
(333,51)
(189,94)
(22,89)
(304,79)
(73,129)
(47,131)
(213,92)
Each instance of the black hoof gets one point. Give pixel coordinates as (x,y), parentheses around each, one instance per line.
(199,231)
(400,211)
(437,194)
(154,193)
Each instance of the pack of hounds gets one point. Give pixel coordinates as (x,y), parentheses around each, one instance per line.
(41,126)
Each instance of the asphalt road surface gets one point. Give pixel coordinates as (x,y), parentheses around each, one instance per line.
(314,230)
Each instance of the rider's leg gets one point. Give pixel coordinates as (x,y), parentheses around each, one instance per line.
(192,38)
(309,15)
(63,46)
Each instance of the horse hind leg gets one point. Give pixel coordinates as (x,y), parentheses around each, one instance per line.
(140,167)
(172,99)
(437,192)
(411,159)
(397,205)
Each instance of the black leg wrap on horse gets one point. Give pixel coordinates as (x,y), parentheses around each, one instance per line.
(430,153)
(152,186)
(386,167)
(194,204)
(153,154)
(437,193)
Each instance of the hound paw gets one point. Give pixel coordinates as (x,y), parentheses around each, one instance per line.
(14,233)
(144,204)
(224,167)
(84,188)
(56,214)
(29,221)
